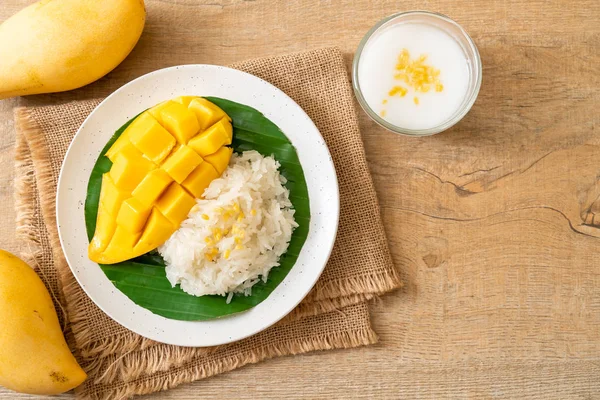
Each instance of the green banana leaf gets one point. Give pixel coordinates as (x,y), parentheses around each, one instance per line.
(143,279)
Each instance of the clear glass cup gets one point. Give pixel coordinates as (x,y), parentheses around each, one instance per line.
(457,33)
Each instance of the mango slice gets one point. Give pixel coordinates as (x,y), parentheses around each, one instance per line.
(212,139)
(158,229)
(200,178)
(157,110)
(181,163)
(220,159)
(162,162)
(180,121)
(185,100)
(175,204)
(206,112)
(129,168)
(152,186)
(117,146)
(132,215)
(121,243)
(105,229)
(149,137)
(111,196)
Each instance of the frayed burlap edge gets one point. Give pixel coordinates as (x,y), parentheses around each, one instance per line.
(309,309)
(115,348)
(26,199)
(41,175)
(121,344)
(192,371)
(161,358)
(133,342)
(372,284)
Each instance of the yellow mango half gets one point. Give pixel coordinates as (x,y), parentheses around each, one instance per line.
(162,162)
(57,45)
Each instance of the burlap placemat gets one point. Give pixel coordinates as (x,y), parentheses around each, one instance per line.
(334,315)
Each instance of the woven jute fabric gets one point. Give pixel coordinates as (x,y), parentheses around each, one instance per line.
(121,363)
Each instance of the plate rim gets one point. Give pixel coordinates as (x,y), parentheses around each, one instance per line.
(201,343)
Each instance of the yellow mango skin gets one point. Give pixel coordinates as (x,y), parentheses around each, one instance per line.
(58,45)
(34,357)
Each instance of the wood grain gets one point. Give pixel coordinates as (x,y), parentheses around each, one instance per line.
(494,223)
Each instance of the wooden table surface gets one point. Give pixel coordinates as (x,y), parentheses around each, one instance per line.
(491,223)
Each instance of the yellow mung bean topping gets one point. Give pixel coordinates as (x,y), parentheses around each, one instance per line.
(415,74)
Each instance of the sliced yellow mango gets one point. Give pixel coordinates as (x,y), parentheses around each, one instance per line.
(184,100)
(181,163)
(105,229)
(220,159)
(162,161)
(121,245)
(149,137)
(212,139)
(175,204)
(111,197)
(158,230)
(206,112)
(152,186)
(200,178)
(129,168)
(133,215)
(121,142)
(157,109)
(180,121)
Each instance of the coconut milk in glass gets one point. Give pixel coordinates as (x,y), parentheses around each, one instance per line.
(417,73)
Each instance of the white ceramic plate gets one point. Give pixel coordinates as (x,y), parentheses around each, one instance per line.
(200,80)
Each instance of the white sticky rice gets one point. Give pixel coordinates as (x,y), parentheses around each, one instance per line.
(236,233)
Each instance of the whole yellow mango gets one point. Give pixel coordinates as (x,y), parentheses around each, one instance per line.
(58,45)
(34,357)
